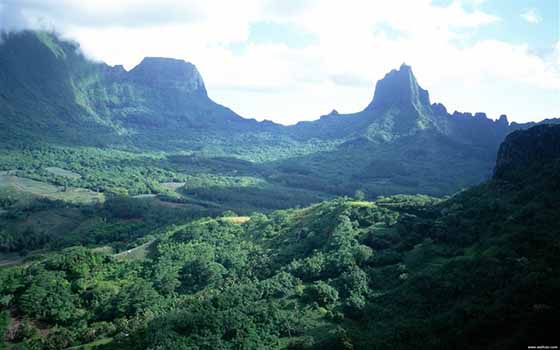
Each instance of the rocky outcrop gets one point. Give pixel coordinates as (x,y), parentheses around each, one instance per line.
(399,88)
(159,73)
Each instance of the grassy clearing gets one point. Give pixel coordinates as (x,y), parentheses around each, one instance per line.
(79,195)
(63,172)
(92,345)
(362,204)
(236,219)
(104,249)
(27,185)
(143,196)
(138,253)
(43,189)
(172,186)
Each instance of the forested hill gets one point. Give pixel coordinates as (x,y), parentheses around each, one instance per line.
(480,270)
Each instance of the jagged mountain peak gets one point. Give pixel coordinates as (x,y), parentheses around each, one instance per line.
(503,120)
(399,88)
(168,72)
(334,112)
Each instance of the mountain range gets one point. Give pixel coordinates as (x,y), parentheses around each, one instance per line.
(137,213)
(50,93)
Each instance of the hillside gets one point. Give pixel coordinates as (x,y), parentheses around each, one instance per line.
(48,84)
(478,270)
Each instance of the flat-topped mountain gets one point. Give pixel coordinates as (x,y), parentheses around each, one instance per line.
(47,84)
(158,72)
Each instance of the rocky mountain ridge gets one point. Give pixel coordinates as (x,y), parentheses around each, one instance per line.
(51,94)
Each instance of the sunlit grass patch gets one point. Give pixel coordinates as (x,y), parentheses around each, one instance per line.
(362,204)
(43,189)
(237,219)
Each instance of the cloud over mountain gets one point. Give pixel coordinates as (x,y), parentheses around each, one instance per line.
(354,42)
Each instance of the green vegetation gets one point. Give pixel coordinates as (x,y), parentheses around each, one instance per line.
(478,270)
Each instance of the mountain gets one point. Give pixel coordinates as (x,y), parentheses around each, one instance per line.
(401,142)
(46,83)
(117,225)
(401,107)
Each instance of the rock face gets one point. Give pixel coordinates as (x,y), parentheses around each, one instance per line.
(400,107)
(399,88)
(525,148)
(46,83)
(158,73)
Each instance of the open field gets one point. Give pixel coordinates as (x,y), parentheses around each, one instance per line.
(236,219)
(92,345)
(43,189)
(147,195)
(172,186)
(138,253)
(63,172)
(362,204)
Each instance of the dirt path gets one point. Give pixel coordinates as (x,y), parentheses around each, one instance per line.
(135,250)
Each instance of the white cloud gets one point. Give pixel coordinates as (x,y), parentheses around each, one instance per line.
(356,45)
(532,16)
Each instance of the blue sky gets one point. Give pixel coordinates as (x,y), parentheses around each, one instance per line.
(532,22)
(291,60)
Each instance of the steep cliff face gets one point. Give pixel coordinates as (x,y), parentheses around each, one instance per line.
(524,149)
(41,96)
(51,92)
(399,88)
(159,72)
(400,108)
(159,94)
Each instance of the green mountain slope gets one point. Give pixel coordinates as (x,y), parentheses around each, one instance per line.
(48,85)
(40,91)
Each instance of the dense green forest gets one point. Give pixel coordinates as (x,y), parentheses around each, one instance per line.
(476,270)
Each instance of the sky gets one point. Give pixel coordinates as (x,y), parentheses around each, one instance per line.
(292,60)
